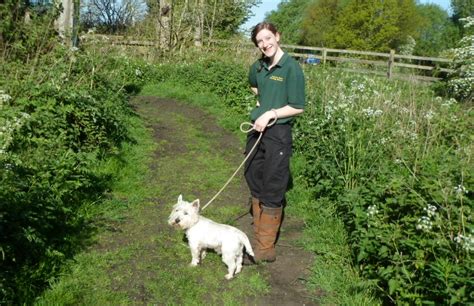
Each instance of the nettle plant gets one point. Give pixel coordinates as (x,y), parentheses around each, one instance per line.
(461,82)
(398,162)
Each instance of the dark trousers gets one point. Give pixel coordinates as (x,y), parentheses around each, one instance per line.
(268,169)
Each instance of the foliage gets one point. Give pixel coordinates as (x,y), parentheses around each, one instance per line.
(288,18)
(374,25)
(59,120)
(461,82)
(320,20)
(397,163)
(345,24)
(109,16)
(25,38)
(211,19)
(228,80)
(437,32)
(461,9)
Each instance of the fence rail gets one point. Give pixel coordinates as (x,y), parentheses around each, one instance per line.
(396,65)
(420,68)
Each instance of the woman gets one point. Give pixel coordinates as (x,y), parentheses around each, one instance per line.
(278,81)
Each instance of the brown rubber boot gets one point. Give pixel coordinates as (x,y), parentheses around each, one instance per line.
(266,233)
(256,212)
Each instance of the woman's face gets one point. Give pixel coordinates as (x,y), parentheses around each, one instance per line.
(267,42)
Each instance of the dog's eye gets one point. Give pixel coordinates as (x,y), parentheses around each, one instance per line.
(185,213)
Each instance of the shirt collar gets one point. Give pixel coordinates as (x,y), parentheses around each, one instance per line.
(280,63)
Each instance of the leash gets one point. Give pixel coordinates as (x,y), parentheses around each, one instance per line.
(251,128)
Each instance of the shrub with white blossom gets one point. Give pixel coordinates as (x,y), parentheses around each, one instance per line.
(461,83)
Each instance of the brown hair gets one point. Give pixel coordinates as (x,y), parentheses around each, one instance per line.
(260,26)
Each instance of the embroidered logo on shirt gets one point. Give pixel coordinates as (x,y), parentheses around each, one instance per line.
(276,78)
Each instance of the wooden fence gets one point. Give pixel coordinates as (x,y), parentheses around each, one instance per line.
(414,67)
(390,64)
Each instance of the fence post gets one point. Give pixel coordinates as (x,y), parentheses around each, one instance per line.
(324,56)
(391,59)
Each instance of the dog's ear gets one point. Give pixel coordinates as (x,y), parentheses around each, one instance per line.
(195,203)
(180,198)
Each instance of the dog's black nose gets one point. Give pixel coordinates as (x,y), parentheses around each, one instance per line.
(176,220)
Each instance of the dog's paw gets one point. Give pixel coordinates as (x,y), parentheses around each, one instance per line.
(229,276)
(193,264)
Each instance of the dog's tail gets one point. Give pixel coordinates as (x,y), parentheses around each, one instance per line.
(248,247)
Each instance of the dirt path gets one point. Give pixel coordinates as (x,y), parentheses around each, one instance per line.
(287,275)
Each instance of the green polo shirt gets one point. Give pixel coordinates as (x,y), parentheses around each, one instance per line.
(282,85)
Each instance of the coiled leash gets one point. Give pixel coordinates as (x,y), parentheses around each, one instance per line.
(272,122)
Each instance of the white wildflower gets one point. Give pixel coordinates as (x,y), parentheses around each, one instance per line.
(369,112)
(466,241)
(424,224)
(4,97)
(413,135)
(460,189)
(430,210)
(429,115)
(372,210)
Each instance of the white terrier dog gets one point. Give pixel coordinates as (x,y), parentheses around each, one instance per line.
(203,234)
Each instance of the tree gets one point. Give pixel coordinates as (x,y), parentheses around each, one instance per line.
(320,20)
(288,18)
(193,22)
(111,16)
(462,9)
(375,25)
(437,32)
(222,18)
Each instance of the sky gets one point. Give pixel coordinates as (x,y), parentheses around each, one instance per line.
(268,5)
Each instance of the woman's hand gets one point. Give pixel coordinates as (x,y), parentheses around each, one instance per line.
(262,121)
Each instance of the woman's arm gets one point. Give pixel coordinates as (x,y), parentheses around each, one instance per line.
(283,112)
(255,91)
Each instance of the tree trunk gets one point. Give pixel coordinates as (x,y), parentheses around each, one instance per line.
(198,23)
(165,24)
(64,23)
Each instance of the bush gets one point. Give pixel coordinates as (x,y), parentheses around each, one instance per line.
(461,82)
(227,80)
(59,120)
(398,163)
